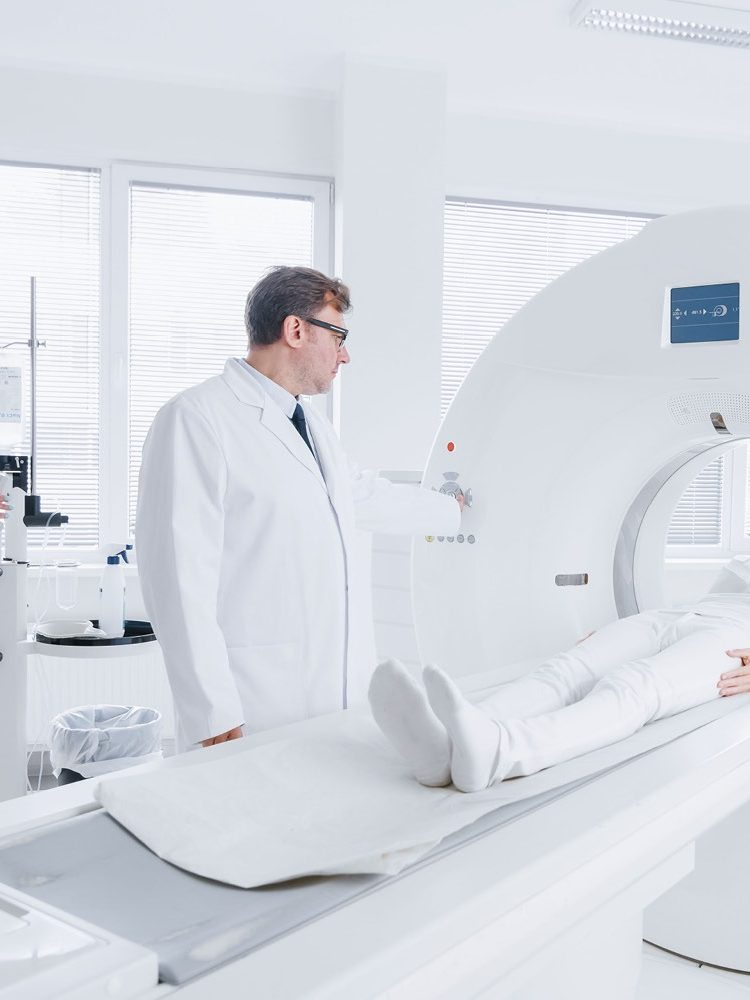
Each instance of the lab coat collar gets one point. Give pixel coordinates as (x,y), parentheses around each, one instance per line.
(281,396)
(243,385)
(249,391)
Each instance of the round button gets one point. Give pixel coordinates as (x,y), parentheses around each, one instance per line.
(459,538)
(471,539)
(451,446)
(429,538)
(450,538)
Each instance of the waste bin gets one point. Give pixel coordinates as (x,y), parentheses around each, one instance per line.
(95,739)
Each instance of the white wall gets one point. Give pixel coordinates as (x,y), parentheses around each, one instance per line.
(685,582)
(76,120)
(593,166)
(390,191)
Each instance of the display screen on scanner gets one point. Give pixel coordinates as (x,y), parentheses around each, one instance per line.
(702,314)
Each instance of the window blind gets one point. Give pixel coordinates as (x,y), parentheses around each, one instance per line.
(498,256)
(49,226)
(697,518)
(194,255)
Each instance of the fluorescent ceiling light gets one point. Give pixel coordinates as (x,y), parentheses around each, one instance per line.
(678,19)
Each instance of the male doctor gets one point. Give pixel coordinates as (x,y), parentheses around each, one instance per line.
(247,513)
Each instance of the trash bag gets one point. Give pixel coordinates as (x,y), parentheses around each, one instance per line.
(95,739)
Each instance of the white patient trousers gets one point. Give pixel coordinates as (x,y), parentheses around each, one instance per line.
(628,673)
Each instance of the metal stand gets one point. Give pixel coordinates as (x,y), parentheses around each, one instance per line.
(13,578)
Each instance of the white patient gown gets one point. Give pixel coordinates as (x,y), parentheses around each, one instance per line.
(631,672)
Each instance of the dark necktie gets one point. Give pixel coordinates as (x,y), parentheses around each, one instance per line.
(298,419)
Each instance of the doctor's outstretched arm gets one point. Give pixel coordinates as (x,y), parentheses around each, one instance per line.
(396,509)
(180,538)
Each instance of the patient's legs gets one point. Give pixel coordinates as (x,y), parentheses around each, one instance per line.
(401,709)
(567,677)
(680,677)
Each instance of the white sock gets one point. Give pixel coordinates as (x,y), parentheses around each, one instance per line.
(400,708)
(475,737)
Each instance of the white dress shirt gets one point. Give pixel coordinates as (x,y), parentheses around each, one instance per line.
(281,396)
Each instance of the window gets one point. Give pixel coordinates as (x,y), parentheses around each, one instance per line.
(712,518)
(697,518)
(194,255)
(186,246)
(49,220)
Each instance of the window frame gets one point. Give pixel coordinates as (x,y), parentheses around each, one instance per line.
(95,165)
(114,345)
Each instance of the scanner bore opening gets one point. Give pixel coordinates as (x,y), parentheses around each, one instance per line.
(638,572)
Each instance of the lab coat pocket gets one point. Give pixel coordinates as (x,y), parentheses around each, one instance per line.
(269,679)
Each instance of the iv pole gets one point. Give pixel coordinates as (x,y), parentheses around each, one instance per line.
(34,516)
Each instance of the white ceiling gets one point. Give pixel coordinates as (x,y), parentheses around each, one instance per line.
(517,57)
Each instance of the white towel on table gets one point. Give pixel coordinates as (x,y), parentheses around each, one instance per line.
(337,803)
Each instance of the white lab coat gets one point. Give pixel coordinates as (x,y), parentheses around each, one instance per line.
(245,556)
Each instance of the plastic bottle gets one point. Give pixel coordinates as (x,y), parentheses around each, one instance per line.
(112,599)
(66,584)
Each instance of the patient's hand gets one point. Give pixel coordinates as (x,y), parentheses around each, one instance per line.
(736,681)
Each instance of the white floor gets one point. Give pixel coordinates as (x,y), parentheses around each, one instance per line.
(666,977)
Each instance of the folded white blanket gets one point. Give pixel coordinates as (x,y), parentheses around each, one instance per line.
(336,803)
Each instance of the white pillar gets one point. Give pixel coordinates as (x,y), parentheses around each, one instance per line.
(390,192)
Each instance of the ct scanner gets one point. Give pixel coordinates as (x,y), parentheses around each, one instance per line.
(576,432)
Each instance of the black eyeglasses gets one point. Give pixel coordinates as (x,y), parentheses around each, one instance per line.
(341,332)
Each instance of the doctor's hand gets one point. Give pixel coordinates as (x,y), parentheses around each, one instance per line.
(232,734)
(460,500)
(736,681)
(5,506)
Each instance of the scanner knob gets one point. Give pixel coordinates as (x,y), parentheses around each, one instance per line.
(452,489)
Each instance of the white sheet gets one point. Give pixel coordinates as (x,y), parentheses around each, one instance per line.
(330,804)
